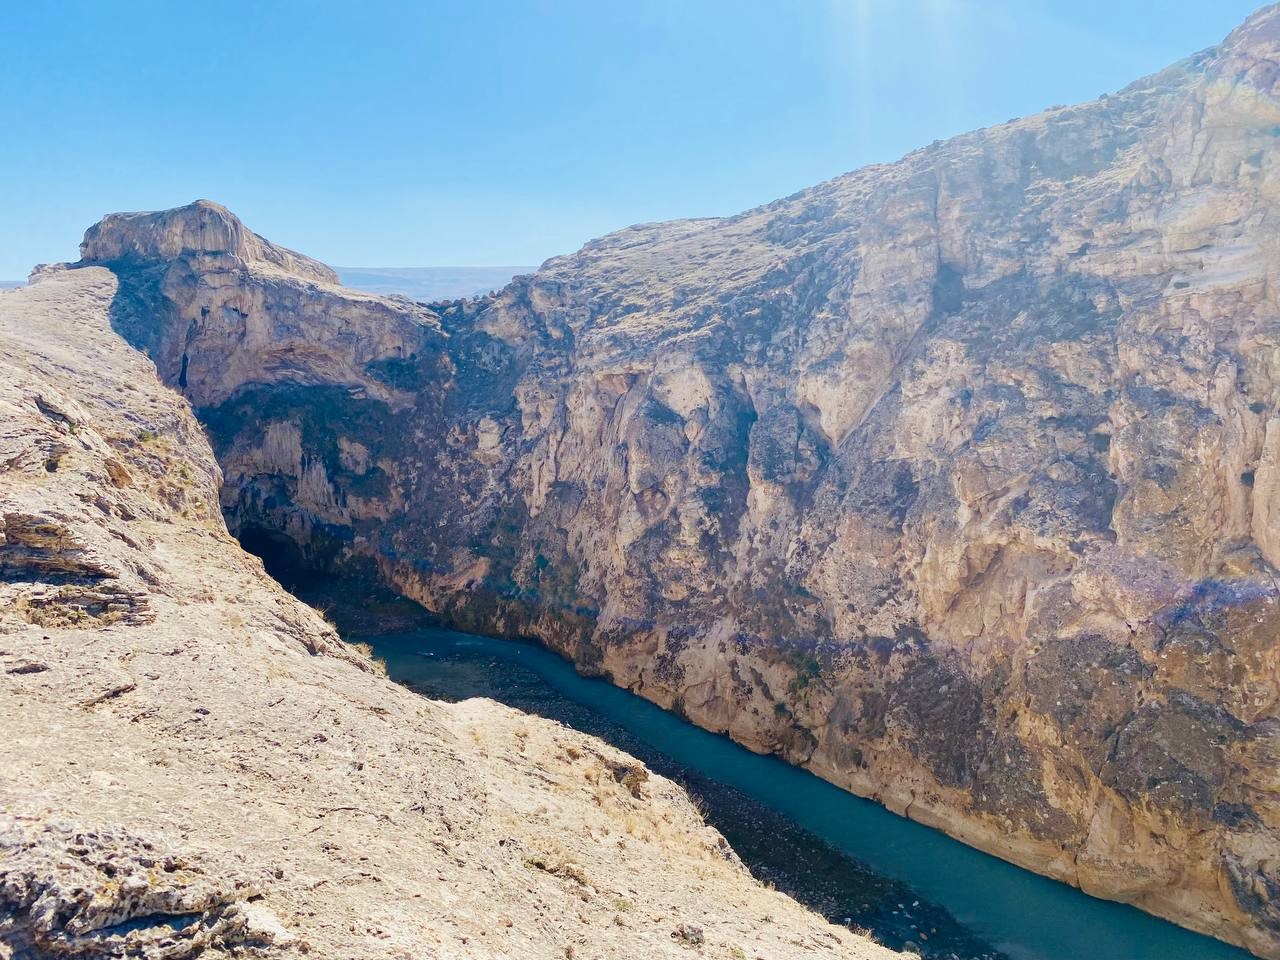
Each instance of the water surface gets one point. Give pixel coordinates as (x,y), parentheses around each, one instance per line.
(842,855)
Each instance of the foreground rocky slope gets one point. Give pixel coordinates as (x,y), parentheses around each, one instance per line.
(195,764)
(955,480)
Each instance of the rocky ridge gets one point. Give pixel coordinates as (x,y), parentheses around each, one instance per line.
(954,480)
(195,765)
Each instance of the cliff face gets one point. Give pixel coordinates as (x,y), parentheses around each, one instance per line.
(955,480)
(194,764)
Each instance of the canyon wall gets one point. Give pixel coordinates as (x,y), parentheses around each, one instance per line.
(195,765)
(954,480)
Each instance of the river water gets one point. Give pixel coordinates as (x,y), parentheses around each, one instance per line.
(845,857)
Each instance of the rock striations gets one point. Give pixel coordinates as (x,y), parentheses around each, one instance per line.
(194,764)
(955,480)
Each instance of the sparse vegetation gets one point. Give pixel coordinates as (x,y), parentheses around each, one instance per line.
(366,650)
(807,668)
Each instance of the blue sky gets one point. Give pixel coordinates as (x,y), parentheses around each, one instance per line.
(506,131)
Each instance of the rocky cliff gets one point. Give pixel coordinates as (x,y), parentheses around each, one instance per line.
(194,764)
(955,480)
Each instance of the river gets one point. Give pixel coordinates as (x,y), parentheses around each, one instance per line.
(844,856)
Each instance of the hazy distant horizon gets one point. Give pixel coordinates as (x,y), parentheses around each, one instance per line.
(430,283)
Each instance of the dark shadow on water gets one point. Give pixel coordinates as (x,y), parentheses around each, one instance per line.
(774,847)
(845,857)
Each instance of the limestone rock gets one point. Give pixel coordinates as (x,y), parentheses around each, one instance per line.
(203,230)
(223,777)
(70,893)
(952,479)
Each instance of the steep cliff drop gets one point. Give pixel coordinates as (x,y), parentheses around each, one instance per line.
(954,480)
(195,765)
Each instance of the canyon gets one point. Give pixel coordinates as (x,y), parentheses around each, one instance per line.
(195,764)
(953,480)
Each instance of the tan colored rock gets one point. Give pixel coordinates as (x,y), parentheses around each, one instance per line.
(951,479)
(203,230)
(195,765)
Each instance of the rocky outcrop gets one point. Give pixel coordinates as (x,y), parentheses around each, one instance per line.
(206,227)
(67,893)
(953,480)
(195,765)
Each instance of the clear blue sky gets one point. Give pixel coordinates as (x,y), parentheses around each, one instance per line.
(505,131)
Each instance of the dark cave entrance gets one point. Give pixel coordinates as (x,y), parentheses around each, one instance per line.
(281,556)
(348,590)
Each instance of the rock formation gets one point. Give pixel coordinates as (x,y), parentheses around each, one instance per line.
(194,764)
(954,480)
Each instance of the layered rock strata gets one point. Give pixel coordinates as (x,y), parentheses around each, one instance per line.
(954,480)
(195,765)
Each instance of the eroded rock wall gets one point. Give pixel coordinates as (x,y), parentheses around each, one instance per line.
(194,765)
(952,479)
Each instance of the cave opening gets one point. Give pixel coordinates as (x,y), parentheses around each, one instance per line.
(280,555)
(349,590)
